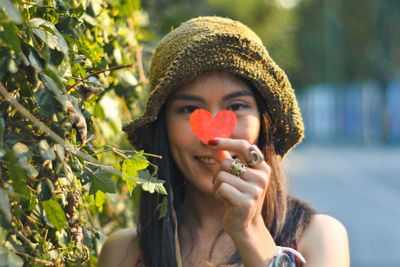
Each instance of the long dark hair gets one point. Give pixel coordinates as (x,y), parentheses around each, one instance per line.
(285,217)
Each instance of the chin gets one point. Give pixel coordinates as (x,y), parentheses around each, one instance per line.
(206,187)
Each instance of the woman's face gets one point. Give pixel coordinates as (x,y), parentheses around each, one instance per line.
(213,92)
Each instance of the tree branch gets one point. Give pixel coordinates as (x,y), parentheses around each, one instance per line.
(49,263)
(140,65)
(99,72)
(33,4)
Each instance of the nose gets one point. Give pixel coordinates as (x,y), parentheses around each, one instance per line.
(214,111)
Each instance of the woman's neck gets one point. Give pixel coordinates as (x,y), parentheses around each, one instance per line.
(201,232)
(204,210)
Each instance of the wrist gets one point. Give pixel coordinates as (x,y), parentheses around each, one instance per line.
(286,256)
(246,230)
(255,244)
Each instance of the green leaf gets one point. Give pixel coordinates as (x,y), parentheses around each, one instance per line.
(5,57)
(78,69)
(102,181)
(71,27)
(79,11)
(64,5)
(96,7)
(11,11)
(30,170)
(52,84)
(18,177)
(76,165)
(153,184)
(98,111)
(45,151)
(134,163)
(23,153)
(127,78)
(64,68)
(5,205)
(56,57)
(99,198)
(11,37)
(45,189)
(4,225)
(54,213)
(48,102)
(49,34)
(12,66)
(131,166)
(3,234)
(160,188)
(2,129)
(149,187)
(33,202)
(35,59)
(21,150)
(60,151)
(54,76)
(17,174)
(130,184)
(7,258)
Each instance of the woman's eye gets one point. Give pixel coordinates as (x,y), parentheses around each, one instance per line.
(237,106)
(187,109)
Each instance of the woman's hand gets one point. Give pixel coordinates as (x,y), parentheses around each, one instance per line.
(244,196)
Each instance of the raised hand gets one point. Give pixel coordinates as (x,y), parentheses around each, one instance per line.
(244,195)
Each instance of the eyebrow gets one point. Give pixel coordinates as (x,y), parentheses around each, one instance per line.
(199,99)
(237,94)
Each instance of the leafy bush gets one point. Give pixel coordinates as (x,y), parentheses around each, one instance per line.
(71,71)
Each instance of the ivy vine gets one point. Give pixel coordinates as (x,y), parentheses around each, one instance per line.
(62,156)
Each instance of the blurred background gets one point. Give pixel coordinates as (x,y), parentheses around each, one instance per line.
(343,59)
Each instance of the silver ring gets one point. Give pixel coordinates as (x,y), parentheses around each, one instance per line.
(237,168)
(255,156)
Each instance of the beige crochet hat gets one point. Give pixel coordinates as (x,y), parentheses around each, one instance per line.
(206,44)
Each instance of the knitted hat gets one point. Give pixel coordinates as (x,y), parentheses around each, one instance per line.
(206,44)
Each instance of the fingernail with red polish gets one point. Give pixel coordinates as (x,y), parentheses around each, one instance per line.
(213,142)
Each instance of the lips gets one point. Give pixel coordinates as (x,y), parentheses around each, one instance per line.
(211,160)
(206,160)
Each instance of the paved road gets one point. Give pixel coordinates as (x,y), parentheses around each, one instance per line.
(360,186)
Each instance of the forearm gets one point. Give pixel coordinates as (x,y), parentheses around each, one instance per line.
(255,245)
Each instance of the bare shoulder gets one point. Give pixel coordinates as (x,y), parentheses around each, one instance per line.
(325,243)
(120,249)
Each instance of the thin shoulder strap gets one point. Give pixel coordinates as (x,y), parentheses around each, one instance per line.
(297,259)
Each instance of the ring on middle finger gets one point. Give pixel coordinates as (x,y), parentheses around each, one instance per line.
(238,167)
(256,155)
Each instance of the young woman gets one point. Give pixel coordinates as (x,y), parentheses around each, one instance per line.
(228,203)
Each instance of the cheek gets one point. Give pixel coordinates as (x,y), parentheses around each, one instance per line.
(248,128)
(179,135)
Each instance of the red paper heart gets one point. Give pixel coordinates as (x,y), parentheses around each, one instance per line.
(207,127)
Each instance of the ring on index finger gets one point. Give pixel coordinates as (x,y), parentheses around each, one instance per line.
(238,167)
(255,155)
